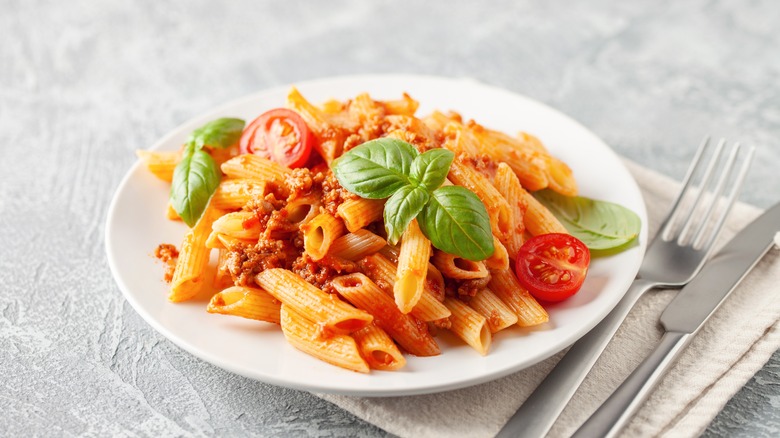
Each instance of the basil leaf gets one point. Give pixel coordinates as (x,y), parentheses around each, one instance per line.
(600,225)
(430,169)
(456,221)
(375,169)
(220,133)
(195,179)
(401,208)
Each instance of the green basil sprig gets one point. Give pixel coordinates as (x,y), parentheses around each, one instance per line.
(452,217)
(197,175)
(600,225)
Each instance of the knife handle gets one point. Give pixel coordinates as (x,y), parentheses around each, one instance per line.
(538,413)
(615,412)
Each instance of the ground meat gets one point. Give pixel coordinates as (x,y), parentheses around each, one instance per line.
(167,254)
(245,261)
(482,163)
(303,181)
(465,288)
(320,273)
(333,194)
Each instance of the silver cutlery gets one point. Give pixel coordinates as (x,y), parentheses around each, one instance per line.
(683,317)
(677,253)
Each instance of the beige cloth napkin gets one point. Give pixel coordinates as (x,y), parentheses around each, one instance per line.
(735,343)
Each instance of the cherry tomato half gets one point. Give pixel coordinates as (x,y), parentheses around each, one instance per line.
(281,135)
(552,266)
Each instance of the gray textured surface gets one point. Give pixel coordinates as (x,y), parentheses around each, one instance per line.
(83,84)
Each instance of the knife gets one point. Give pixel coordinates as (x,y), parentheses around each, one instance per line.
(684,316)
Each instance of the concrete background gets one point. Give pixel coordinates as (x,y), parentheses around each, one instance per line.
(83,84)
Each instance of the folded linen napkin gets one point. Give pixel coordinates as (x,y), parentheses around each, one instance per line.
(735,343)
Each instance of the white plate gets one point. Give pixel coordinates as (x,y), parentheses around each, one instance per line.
(136,225)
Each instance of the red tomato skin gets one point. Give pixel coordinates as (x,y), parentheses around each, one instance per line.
(552,266)
(257,138)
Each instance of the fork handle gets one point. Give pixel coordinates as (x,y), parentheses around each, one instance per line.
(538,413)
(614,413)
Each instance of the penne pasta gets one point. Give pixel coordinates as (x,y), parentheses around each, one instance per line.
(508,185)
(357,213)
(382,272)
(529,312)
(538,219)
(377,349)
(233,194)
(458,268)
(246,302)
(355,246)
(191,274)
(500,257)
(302,210)
(300,247)
(469,325)
(499,316)
(254,166)
(320,233)
(160,163)
(312,303)
(239,224)
(404,329)
(498,209)
(307,336)
(412,267)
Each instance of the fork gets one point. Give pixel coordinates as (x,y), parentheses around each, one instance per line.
(683,243)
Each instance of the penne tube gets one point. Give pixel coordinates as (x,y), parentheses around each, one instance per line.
(538,219)
(307,336)
(160,163)
(171,214)
(320,233)
(213,241)
(377,349)
(382,272)
(330,136)
(314,304)
(406,106)
(500,257)
(355,246)
(434,283)
(246,302)
(529,312)
(469,325)
(561,177)
(498,209)
(461,139)
(256,167)
(413,259)
(233,194)
(239,224)
(357,213)
(405,329)
(191,274)
(302,210)
(223,277)
(458,268)
(508,185)
(499,316)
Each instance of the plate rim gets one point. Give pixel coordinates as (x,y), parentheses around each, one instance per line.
(324,387)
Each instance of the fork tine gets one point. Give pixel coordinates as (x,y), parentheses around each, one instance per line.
(705,181)
(725,174)
(735,189)
(666,226)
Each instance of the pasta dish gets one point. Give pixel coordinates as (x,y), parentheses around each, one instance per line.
(363,229)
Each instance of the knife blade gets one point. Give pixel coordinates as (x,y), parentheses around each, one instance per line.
(683,317)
